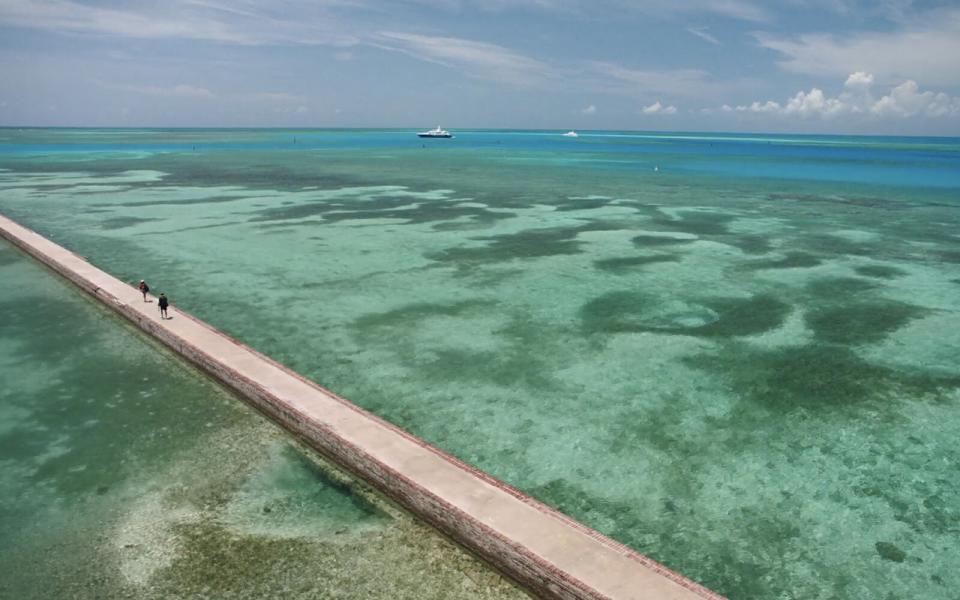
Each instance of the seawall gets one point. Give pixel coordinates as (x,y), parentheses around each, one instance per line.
(547,552)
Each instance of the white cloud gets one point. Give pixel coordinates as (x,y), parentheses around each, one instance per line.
(926,49)
(479,59)
(891,10)
(744,10)
(175,91)
(859,81)
(735,9)
(679,82)
(323,22)
(658,109)
(814,102)
(180,19)
(757,107)
(905,100)
(701,32)
(590,110)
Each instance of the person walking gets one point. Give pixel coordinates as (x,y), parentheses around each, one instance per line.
(164,303)
(144,288)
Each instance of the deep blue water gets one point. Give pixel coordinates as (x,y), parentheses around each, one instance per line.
(916,162)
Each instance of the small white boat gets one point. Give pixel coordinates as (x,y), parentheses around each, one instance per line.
(435,133)
(571,133)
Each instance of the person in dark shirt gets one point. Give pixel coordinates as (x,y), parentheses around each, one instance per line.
(164,303)
(144,288)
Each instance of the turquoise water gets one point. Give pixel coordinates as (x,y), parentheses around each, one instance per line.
(736,354)
(124,474)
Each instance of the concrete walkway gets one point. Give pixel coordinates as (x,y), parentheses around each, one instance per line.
(550,554)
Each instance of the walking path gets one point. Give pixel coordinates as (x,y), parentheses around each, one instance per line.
(548,553)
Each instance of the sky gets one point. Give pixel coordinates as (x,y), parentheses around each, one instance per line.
(886,67)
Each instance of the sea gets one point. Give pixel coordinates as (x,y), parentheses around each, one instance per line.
(735,353)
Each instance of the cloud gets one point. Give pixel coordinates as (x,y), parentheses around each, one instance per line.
(859,81)
(658,109)
(735,9)
(814,102)
(904,100)
(180,19)
(891,10)
(317,22)
(925,49)
(275,97)
(590,110)
(744,10)
(190,91)
(478,59)
(679,82)
(757,107)
(701,32)
(175,91)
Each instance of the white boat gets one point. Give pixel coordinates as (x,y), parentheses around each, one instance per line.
(435,133)
(571,133)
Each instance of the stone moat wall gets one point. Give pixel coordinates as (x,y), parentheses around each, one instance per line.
(563,559)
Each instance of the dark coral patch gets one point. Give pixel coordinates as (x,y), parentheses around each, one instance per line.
(950,256)
(864,201)
(529,243)
(570,204)
(510,364)
(811,375)
(880,271)
(616,312)
(408,316)
(470,225)
(698,222)
(121,222)
(862,322)
(890,552)
(525,244)
(791,260)
(413,210)
(623,312)
(815,375)
(750,244)
(838,289)
(832,245)
(745,316)
(645,241)
(629,263)
(175,202)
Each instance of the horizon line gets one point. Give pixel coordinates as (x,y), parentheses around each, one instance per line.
(471,129)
